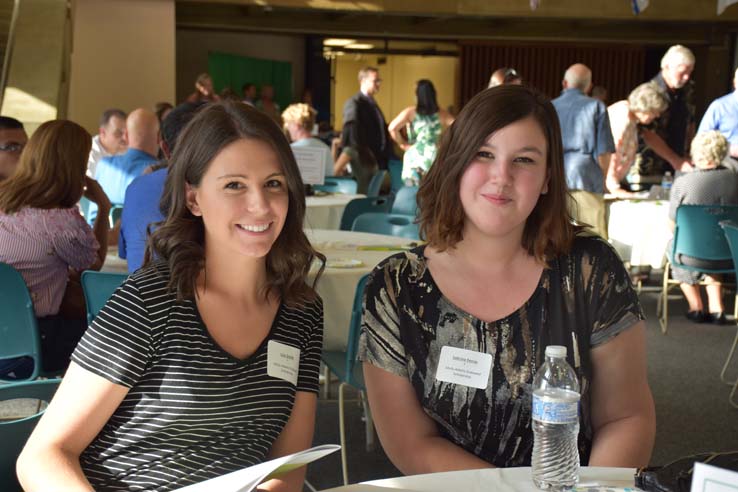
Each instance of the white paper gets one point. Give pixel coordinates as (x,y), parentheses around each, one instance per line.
(311,161)
(707,478)
(247,479)
(283,361)
(465,367)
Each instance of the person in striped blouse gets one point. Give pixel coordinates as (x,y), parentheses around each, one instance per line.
(44,237)
(206,360)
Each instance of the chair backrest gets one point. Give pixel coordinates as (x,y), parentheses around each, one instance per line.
(98,287)
(14,433)
(389,224)
(358,206)
(116,211)
(699,241)
(347,186)
(376,183)
(395,169)
(19,335)
(405,202)
(352,346)
(730,228)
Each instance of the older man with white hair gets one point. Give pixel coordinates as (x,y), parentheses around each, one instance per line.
(722,115)
(588,143)
(664,144)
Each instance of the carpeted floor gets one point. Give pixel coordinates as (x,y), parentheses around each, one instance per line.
(692,409)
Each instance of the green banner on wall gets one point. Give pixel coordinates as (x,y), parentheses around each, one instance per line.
(233,71)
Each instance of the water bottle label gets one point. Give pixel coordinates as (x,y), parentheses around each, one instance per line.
(554,411)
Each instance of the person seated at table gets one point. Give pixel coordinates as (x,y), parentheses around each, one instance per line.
(299,121)
(645,103)
(206,360)
(709,184)
(44,236)
(504,273)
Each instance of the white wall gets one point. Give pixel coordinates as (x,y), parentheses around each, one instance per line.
(193,47)
(123,56)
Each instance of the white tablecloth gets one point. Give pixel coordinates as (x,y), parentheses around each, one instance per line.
(639,230)
(324,212)
(337,285)
(490,480)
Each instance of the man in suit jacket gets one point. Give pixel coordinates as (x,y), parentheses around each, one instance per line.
(365,129)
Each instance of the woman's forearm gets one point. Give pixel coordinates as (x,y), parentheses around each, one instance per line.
(100,229)
(431,455)
(625,443)
(51,469)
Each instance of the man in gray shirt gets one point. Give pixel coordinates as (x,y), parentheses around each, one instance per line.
(587,140)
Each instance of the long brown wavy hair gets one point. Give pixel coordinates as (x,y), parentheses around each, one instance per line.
(180,238)
(51,169)
(548,230)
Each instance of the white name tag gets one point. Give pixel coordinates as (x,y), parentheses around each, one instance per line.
(465,367)
(283,361)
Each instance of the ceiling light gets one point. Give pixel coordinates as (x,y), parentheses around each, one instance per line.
(337,42)
(359,46)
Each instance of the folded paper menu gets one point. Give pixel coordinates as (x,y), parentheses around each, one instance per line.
(247,479)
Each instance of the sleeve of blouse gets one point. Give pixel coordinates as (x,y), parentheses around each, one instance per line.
(118,343)
(73,239)
(380,343)
(614,305)
(307,377)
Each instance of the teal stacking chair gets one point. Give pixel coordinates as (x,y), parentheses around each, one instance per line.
(405,202)
(19,335)
(388,224)
(375,185)
(731,234)
(349,372)
(116,211)
(14,433)
(395,169)
(358,206)
(347,186)
(98,287)
(699,244)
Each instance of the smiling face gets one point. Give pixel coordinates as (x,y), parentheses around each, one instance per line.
(242,199)
(501,186)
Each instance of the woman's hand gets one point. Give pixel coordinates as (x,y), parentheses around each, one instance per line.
(95,194)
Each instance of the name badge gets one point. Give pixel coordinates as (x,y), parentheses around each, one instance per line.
(465,367)
(283,361)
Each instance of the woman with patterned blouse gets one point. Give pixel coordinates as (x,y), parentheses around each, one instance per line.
(644,104)
(424,123)
(504,274)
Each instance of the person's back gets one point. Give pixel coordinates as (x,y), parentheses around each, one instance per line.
(115,173)
(143,195)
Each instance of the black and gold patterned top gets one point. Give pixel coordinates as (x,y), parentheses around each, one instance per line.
(582,300)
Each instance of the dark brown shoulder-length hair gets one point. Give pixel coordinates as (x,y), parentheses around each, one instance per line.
(548,230)
(51,169)
(180,238)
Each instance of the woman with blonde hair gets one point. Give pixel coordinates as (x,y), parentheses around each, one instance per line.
(44,236)
(710,183)
(299,122)
(645,103)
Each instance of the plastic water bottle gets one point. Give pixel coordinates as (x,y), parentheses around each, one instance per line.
(666,183)
(555,463)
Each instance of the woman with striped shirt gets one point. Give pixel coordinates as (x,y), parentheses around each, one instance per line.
(44,237)
(206,360)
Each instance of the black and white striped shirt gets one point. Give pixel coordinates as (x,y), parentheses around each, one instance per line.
(193,411)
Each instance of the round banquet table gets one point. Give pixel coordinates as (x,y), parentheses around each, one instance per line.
(349,256)
(639,230)
(324,212)
(494,479)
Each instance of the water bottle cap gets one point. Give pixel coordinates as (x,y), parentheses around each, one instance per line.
(556,351)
